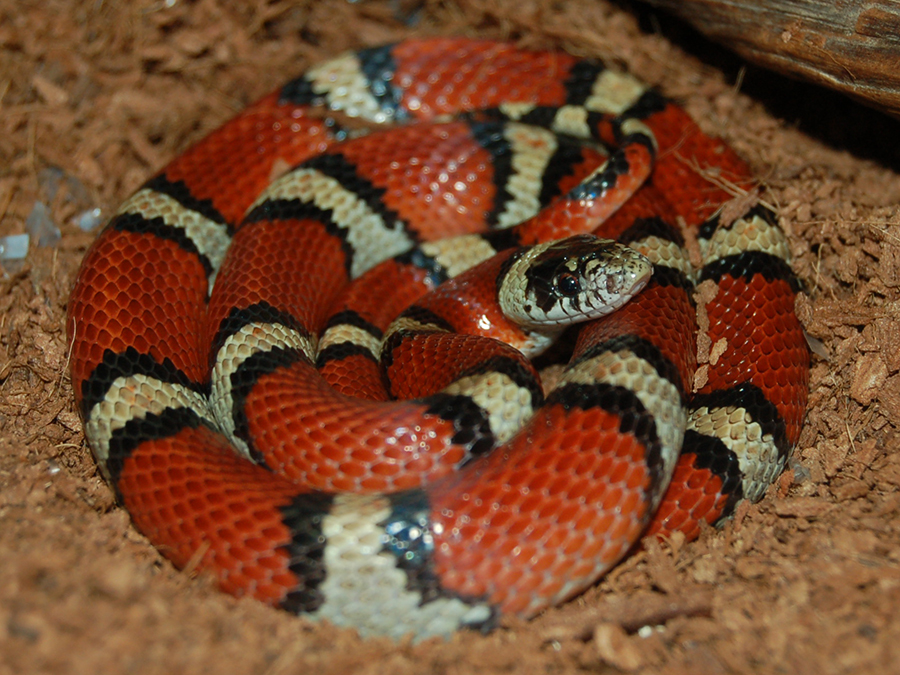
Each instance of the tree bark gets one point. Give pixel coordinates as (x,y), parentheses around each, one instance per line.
(852,46)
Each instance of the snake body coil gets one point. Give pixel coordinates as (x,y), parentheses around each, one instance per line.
(281,384)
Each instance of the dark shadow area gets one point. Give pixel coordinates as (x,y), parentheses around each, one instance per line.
(823,114)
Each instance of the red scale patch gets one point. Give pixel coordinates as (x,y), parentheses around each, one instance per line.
(438,177)
(445,76)
(694,499)
(317,437)
(294,266)
(233,165)
(241,532)
(115,300)
(511,503)
(765,345)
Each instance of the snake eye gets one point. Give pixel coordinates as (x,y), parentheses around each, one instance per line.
(567,284)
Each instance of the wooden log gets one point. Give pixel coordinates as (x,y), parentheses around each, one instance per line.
(852,46)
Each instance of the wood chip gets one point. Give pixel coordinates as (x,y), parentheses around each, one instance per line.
(616,648)
(801,507)
(50,92)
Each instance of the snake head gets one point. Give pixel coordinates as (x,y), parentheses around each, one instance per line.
(571,280)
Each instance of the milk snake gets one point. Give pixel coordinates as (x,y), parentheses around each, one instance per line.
(206,413)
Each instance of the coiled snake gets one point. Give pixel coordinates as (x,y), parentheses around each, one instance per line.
(260,410)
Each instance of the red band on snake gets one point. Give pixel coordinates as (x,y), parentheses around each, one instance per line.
(233,350)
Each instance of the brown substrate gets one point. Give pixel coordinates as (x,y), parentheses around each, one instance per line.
(806,581)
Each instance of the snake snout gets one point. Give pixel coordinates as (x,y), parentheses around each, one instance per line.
(633,274)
